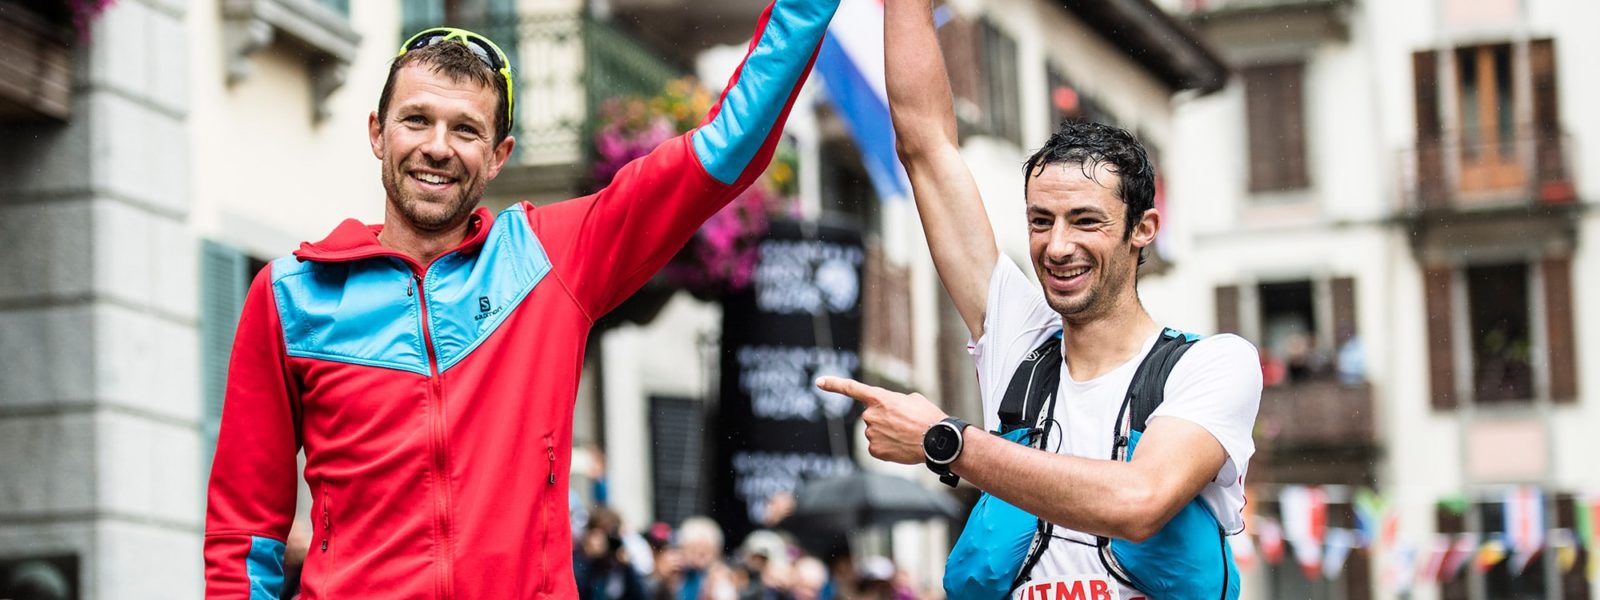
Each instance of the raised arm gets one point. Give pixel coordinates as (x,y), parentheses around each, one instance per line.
(953,218)
(608,244)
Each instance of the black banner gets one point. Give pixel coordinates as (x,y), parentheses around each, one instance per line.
(801,319)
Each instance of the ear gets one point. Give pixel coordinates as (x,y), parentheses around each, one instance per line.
(1144,232)
(502,151)
(375,134)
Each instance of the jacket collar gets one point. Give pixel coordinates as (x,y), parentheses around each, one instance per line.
(352,240)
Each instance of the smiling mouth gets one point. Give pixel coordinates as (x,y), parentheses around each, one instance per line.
(1067,274)
(432,179)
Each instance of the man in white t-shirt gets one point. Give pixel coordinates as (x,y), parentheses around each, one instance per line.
(1090,212)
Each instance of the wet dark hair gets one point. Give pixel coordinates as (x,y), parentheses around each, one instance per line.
(459,64)
(1089,144)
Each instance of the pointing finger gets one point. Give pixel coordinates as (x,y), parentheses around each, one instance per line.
(850,387)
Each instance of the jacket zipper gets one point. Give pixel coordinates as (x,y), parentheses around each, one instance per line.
(441,461)
(327,521)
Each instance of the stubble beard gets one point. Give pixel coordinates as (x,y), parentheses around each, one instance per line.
(1097,301)
(430,214)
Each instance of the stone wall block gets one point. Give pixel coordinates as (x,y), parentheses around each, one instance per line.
(145,259)
(45,357)
(47,250)
(140,155)
(148,469)
(47,466)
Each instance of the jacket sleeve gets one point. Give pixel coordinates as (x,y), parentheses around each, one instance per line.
(251,500)
(606,245)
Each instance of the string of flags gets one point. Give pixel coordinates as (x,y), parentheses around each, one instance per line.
(1301,532)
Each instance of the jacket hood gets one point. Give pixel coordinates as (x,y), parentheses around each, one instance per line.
(354,240)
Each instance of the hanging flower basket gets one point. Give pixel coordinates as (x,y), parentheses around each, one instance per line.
(721,257)
(84,13)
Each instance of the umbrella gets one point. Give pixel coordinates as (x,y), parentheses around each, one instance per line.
(861,499)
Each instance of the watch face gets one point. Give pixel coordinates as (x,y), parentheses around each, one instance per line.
(941,443)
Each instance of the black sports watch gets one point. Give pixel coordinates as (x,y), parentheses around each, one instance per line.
(941,445)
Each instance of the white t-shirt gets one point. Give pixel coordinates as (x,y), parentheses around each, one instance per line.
(1216,385)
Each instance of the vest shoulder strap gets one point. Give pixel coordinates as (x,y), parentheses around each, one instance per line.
(1032,385)
(1148,388)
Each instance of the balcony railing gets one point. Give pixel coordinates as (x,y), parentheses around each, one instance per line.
(1458,172)
(1316,414)
(564,66)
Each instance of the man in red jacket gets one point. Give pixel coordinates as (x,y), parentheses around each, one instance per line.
(427,366)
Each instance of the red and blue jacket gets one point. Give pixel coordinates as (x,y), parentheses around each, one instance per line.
(434,402)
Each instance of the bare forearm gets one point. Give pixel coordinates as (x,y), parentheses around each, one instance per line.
(1100,497)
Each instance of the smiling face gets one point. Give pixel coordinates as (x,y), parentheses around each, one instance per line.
(437,146)
(1076,240)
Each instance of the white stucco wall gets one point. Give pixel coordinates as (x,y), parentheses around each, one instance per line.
(266,176)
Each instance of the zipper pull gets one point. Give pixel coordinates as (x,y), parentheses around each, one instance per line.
(552,452)
(327,521)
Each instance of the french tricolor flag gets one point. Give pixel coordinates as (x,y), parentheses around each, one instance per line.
(850,63)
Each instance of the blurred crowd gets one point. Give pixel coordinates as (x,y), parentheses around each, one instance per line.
(688,563)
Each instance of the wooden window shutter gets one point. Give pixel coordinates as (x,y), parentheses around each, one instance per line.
(1559,329)
(1275,118)
(1430,142)
(1549,160)
(224,281)
(1441,352)
(1227,309)
(1343,290)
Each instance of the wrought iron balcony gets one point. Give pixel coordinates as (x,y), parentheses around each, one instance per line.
(1316,414)
(1469,171)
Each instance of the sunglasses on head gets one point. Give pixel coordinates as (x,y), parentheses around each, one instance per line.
(480,46)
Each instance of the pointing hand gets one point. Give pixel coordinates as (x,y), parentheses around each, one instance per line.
(895,421)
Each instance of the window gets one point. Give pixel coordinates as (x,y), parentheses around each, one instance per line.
(1507,331)
(1289,348)
(1487,103)
(1486,518)
(676,429)
(1498,317)
(1472,113)
(1002,109)
(1305,329)
(1274,111)
(1288,579)
(1500,581)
